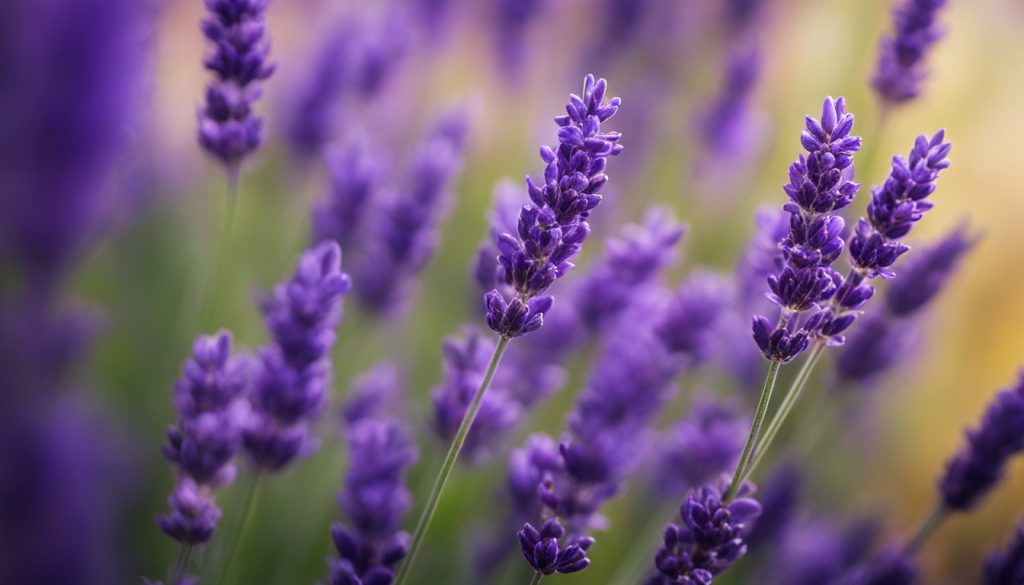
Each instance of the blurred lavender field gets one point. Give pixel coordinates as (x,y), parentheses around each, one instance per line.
(248,249)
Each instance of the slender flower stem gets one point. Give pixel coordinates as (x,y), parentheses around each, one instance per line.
(639,559)
(537,576)
(449,462)
(181,564)
(788,401)
(755,429)
(237,536)
(928,527)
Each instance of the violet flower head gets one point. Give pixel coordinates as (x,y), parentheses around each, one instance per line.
(403,233)
(311,116)
(780,494)
(291,387)
(355,171)
(891,567)
(512,19)
(503,218)
(874,245)
(878,344)
(820,185)
(925,275)
(725,126)
(374,501)
(1006,566)
(691,319)
(374,394)
(551,231)
(465,363)
(709,540)
(203,444)
(542,551)
(701,447)
(228,129)
(382,47)
(631,261)
(901,68)
(973,472)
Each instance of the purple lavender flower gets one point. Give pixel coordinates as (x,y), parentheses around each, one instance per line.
(295,368)
(630,262)
(208,434)
(925,275)
(725,126)
(374,394)
(877,345)
(874,246)
(742,13)
(227,127)
(513,18)
(780,495)
(891,567)
(709,540)
(355,171)
(503,218)
(552,230)
(374,501)
(465,363)
(820,185)
(973,472)
(311,117)
(691,319)
(1006,566)
(702,447)
(819,551)
(901,69)
(404,233)
(542,551)
(383,45)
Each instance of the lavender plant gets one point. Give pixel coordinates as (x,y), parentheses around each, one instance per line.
(1006,566)
(228,130)
(550,233)
(901,68)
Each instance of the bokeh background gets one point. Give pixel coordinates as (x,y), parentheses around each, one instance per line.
(158,246)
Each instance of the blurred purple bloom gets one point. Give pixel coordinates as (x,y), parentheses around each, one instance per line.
(820,184)
(691,319)
(503,217)
(291,386)
(203,444)
(512,20)
(742,13)
(973,472)
(701,447)
(465,362)
(355,172)
(894,208)
(901,68)
(925,275)
(725,126)
(709,540)
(374,501)
(552,230)
(819,551)
(382,45)
(402,235)
(780,495)
(631,261)
(890,567)
(71,73)
(374,394)
(1006,566)
(227,127)
(877,344)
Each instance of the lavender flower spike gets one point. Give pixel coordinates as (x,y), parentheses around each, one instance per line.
(820,185)
(354,170)
(374,501)
(702,447)
(227,127)
(291,387)
(552,230)
(709,540)
(901,69)
(974,471)
(1006,567)
(206,438)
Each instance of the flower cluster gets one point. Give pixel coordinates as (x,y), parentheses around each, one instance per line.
(1006,566)
(291,386)
(901,69)
(404,227)
(355,171)
(542,551)
(891,567)
(820,185)
(702,447)
(374,501)
(203,444)
(513,18)
(725,125)
(227,127)
(709,540)
(973,472)
(552,230)
(875,243)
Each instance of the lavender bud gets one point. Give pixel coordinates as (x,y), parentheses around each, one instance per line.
(690,321)
(973,472)
(355,171)
(901,69)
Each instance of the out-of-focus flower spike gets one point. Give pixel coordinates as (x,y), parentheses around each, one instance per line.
(901,66)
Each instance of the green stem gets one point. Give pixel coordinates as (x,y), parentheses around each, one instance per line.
(755,429)
(537,576)
(928,527)
(449,462)
(237,536)
(639,560)
(788,401)
(181,564)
